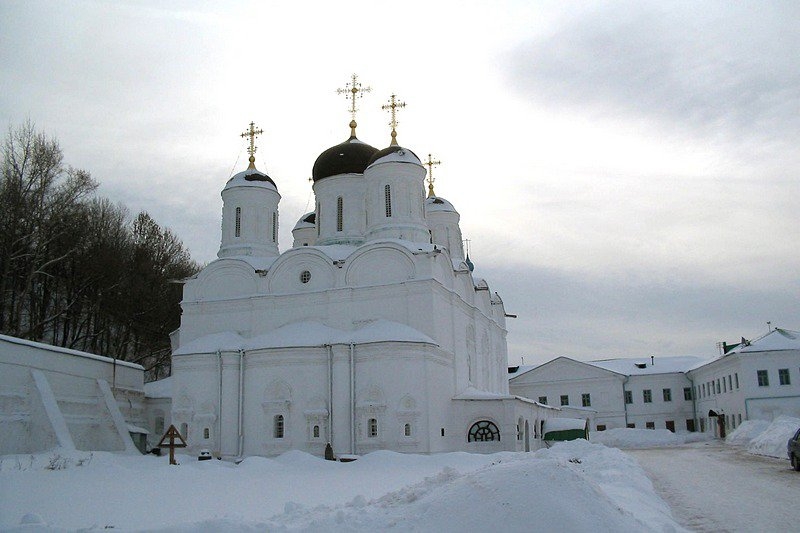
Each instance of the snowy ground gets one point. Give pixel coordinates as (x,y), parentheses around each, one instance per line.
(715,487)
(574,486)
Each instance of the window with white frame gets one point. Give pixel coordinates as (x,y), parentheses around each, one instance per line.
(586,400)
(763,378)
(565,399)
(543,400)
(628,397)
(647,396)
(687,393)
(667,394)
(783,376)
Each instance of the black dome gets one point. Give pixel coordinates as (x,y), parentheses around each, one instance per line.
(350,157)
(390,150)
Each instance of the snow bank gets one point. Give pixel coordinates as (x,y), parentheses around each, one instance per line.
(772,441)
(746,432)
(574,486)
(644,438)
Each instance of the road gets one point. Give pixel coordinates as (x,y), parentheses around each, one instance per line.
(714,487)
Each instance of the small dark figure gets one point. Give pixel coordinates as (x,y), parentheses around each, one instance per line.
(329,452)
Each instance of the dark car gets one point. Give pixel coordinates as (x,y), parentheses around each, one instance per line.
(793,449)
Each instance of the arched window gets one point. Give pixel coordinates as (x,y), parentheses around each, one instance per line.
(238,221)
(339,213)
(206,433)
(387,195)
(372,427)
(274,226)
(407,430)
(315,432)
(278,427)
(483,431)
(185,431)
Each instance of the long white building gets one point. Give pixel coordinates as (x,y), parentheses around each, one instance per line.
(758,379)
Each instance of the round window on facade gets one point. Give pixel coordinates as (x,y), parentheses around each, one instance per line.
(305,276)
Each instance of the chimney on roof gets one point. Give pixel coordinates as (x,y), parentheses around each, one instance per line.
(652,360)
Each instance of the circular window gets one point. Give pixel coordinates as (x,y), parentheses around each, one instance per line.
(305,276)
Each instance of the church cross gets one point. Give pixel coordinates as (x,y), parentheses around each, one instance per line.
(430,163)
(353,91)
(392,106)
(252,132)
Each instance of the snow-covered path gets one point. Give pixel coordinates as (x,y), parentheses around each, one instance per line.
(713,487)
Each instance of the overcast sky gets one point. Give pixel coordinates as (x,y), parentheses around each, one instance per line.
(627,172)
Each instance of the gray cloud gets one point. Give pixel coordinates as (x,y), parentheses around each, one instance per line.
(719,68)
(562,313)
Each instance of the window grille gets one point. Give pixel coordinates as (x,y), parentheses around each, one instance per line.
(483,431)
(238,221)
(387,194)
(339,213)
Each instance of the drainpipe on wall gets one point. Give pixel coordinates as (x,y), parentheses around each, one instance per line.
(330,393)
(219,400)
(352,400)
(240,433)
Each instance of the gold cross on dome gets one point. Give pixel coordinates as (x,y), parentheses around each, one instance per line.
(353,91)
(392,106)
(430,163)
(252,132)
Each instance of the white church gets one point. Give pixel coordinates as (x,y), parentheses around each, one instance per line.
(369,333)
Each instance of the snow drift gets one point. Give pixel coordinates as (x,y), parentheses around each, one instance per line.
(574,486)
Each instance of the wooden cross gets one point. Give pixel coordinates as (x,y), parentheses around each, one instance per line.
(172,435)
(352,91)
(430,163)
(252,132)
(392,106)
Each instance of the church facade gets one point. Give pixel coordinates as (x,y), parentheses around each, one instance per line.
(371,332)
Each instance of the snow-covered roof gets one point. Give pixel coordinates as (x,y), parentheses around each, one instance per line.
(642,365)
(307,334)
(561,424)
(471,393)
(67,351)
(159,389)
(776,340)
(257,262)
(306,221)
(394,154)
(251,178)
(436,203)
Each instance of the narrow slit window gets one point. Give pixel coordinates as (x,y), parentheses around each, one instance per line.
(387,194)
(372,428)
(238,221)
(339,213)
(319,218)
(274,226)
(278,427)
